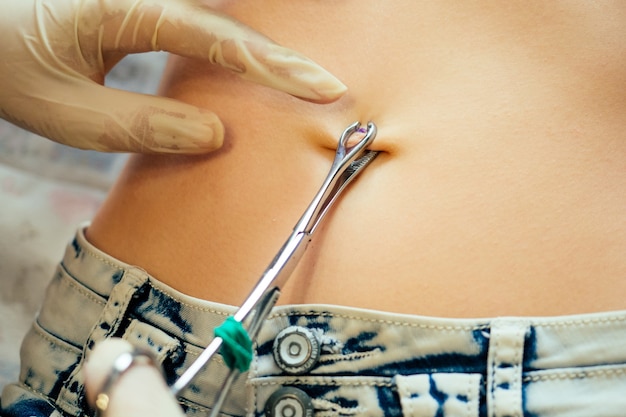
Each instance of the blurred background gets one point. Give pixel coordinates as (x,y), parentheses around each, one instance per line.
(46,191)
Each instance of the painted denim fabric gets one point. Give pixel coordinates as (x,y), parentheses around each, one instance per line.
(315,360)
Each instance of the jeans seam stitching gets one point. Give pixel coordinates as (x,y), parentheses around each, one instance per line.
(575,375)
(41,332)
(80,289)
(382,321)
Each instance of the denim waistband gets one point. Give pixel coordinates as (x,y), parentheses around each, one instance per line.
(343,360)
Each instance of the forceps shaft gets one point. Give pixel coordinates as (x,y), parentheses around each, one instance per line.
(349,161)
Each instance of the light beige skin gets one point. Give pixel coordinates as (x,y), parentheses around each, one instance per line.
(55,54)
(501,189)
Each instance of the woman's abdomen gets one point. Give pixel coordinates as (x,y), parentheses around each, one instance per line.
(499,190)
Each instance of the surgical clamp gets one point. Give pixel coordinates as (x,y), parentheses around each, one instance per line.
(349,161)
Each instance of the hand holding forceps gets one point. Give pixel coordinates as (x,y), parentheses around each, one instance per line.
(349,161)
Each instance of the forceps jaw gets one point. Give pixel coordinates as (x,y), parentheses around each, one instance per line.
(348,162)
(348,153)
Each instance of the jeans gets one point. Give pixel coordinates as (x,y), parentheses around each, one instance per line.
(317,360)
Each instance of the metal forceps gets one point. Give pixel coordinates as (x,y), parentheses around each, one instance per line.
(349,161)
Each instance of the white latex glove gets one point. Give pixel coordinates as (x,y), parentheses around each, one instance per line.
(140,392)
(54,55)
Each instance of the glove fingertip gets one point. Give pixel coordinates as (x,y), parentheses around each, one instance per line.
(198,134)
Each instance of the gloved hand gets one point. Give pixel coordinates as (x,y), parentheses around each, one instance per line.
(140,392)
(54,55)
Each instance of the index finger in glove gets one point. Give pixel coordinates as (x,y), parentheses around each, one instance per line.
(190,29)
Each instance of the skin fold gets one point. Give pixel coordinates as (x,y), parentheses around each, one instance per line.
(499,191)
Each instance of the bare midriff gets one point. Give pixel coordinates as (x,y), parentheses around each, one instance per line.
(500,188)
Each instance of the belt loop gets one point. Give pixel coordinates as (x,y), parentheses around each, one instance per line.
(71,398)
(504,372)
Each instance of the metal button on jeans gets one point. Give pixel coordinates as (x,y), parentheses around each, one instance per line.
(296,350)
(289,402)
